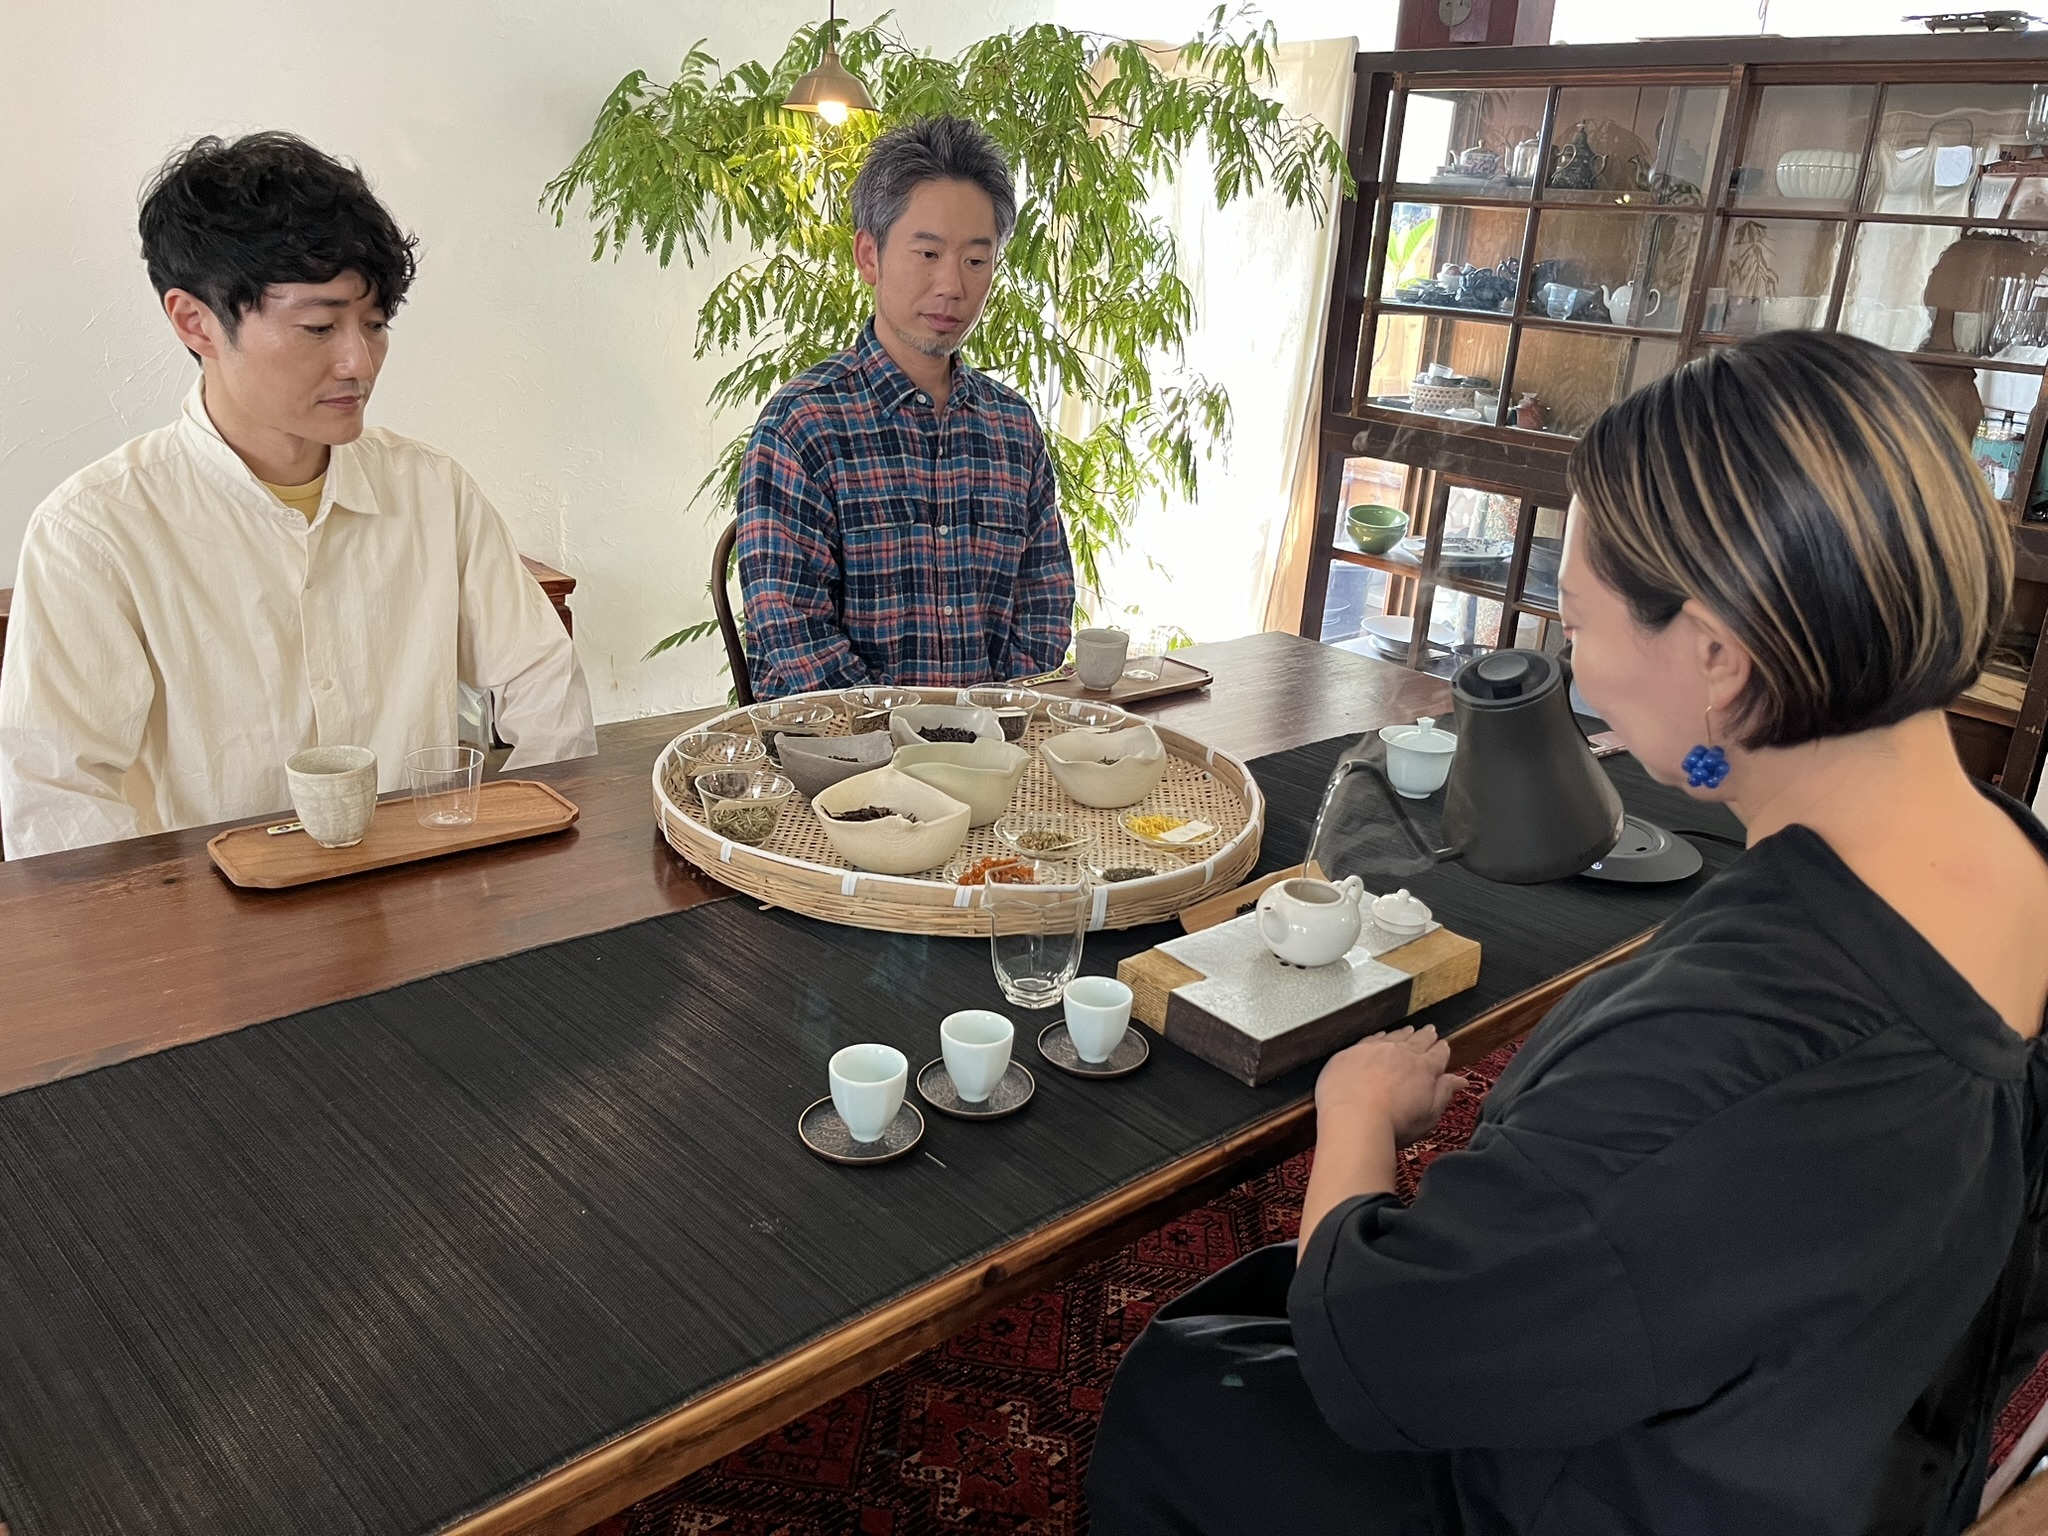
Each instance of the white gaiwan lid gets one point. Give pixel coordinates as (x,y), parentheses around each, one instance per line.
(1400,912)
(1423,736)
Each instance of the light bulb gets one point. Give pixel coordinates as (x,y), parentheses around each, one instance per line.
(834,112)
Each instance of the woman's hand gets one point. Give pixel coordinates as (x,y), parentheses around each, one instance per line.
(1397,1077)
(1371,1100)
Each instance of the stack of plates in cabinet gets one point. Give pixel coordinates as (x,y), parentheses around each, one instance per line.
(1390,634)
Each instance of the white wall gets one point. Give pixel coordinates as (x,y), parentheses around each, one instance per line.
(566,387)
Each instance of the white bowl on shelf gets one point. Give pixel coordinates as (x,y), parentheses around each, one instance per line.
(1106,769)
(1817,175)
(893,845)
(983,774)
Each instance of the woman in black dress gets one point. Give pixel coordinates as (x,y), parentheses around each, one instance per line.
(1748,1237)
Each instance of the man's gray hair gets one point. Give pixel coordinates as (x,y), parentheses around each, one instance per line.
(930,149)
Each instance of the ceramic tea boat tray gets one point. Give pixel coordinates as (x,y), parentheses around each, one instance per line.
(797,867)
(506,811)
(1220,994)
(1175,676)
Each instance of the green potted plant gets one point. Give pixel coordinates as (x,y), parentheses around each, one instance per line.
(1089,304)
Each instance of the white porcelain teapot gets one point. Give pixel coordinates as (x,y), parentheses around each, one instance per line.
(1311,922)
(1618,300)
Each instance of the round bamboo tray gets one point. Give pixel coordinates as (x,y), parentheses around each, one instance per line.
(797,868)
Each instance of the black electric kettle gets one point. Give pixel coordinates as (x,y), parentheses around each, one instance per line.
(1527,800)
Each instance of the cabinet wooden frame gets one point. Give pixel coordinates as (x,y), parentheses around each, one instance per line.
(1502,457)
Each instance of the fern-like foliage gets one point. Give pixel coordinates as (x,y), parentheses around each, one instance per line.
(1088,297)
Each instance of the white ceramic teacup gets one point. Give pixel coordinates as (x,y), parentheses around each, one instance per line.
(1099,657)
(1418,757)
(1311,922)
(334,792)
(867,1088)
(1098,1012)
(976,1045)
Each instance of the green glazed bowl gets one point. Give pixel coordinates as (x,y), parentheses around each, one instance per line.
(1377,529)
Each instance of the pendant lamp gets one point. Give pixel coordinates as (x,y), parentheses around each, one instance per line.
(830,90)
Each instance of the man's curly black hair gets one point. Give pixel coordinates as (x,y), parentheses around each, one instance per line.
(224,219)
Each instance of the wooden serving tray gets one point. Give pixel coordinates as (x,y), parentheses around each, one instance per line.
(506,810)
(1175,677)
(1260,1026)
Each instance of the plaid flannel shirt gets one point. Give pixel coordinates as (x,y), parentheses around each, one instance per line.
(883,540)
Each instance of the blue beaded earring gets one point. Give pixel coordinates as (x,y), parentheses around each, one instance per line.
(1706,765)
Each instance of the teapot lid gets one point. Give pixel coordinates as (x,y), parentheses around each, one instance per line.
(1501,678)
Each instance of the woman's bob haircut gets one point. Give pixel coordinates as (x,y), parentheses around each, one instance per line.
(1809,491)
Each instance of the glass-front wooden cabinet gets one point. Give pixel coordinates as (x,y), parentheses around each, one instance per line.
(1539,232)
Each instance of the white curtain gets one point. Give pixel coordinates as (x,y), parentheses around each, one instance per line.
(1260,273)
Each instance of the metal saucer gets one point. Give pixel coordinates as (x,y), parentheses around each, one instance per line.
(935,1087)
(821,1129)
(1647,855)
(1057,1047)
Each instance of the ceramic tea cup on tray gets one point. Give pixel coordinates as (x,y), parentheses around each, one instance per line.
(975,1044)
(1099,657)
(334,792)
(867,1088)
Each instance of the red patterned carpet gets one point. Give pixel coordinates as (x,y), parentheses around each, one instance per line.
(990,1431)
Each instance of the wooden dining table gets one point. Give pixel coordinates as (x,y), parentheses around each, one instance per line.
(119,954)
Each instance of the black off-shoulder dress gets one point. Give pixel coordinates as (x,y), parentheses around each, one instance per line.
(1749,1239)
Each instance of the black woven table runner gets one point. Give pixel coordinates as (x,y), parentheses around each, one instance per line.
(373,1266)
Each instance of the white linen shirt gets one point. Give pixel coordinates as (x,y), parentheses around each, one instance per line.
(177,633)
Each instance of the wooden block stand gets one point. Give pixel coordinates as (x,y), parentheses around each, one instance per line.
(1427,969)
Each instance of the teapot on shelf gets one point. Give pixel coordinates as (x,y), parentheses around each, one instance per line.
(1620,300)
(1578,165)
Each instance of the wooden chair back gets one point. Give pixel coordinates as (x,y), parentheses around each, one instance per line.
(721,605)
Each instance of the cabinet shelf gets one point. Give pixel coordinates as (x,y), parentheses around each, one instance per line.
(1713,128)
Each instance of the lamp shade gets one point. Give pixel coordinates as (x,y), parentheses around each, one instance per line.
(830,90)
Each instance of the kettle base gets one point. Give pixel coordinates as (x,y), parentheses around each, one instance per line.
(1647,855)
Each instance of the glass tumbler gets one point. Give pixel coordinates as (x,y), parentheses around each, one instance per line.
(1035,938)
(1148,655)
(445,784)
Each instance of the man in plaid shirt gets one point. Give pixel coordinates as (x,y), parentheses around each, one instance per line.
(896,515)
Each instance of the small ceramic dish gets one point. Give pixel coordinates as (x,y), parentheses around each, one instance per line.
(985,774)
(719,751)
(909,722)
(1193,832)
(1085,715)
(1013,707)
(867,709)
(816,763)
(892,845)
(789,717)
(1106,769)
(1010,1094)
(1057,1047)
(743,806)
(1033,837)
(820,1128)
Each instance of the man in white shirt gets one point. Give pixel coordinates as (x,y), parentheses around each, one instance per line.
(265,574)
